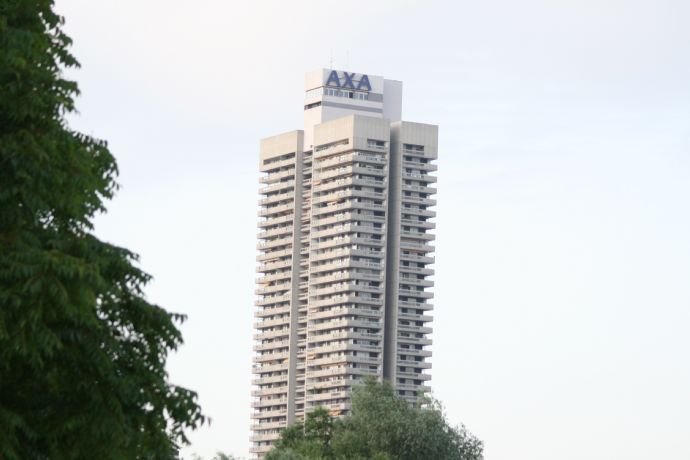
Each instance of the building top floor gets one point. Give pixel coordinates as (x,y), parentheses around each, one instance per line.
(332,94)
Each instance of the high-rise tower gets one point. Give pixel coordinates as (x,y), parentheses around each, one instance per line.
(345,251)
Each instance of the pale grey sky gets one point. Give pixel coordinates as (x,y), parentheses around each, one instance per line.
(563,258)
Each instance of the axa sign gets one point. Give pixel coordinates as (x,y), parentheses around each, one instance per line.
(348,81)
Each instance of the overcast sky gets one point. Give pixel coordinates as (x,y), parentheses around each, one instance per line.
(562,298)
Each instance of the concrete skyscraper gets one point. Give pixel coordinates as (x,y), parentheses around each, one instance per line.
(344,253)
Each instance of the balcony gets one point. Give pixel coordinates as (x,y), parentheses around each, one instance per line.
(414,317)
(348,193)
(419,177)
(274,177)
(270,300)
(273,210)
(268,426)
(427,167)
(418,270)
(419,200)
(344,335)
(277,220)
(412,375)
(414,329)
(422,247)
(345,347)
(270,380)
(269,402)
(272,323)
(349,158)
(320,186)
(418,223)
(346,299)
(345,323)
(264,414)
(271,166)
(326,174)
(277,186)
(419,188)
(269,368)
(274,276)
(346,228)
(270,391)
(347,241)
(347,275)
(265,312)
(351,309)
(415,364)
(414,293)
(327,396)
(267,335)
(273,289)
(416,305)
(317,212)
(415,211)
(413,340)
(274,243)
(347,287)
(271,345)
(329,372)
(264,437)
(268,357)
(413,352)
(412,387)
(344,253)
(417,258)
(278,231)
(332,384)
(274,254)
(418,235)
(277,198)
(416,282)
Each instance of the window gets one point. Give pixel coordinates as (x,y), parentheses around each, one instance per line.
(314,92)
(313,105)
(413,148)
(376,144)
(339,93)
(332,144)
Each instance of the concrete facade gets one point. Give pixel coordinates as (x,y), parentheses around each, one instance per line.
(344,252)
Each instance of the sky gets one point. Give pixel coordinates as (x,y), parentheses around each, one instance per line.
(562,297)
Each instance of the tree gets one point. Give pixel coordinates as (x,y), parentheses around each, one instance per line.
(223,456)
(382,427)
(219,456)
(311,438)
(82,352)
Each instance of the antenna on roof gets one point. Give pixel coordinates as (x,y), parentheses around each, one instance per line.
(347,59)
(331,61)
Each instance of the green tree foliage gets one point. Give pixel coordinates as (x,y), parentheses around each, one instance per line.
(219,456)
(223,456)
(382,427)
(82,353)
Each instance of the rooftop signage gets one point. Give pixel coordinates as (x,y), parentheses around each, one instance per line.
(348,80)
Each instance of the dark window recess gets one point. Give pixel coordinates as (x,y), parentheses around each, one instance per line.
(311,106)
